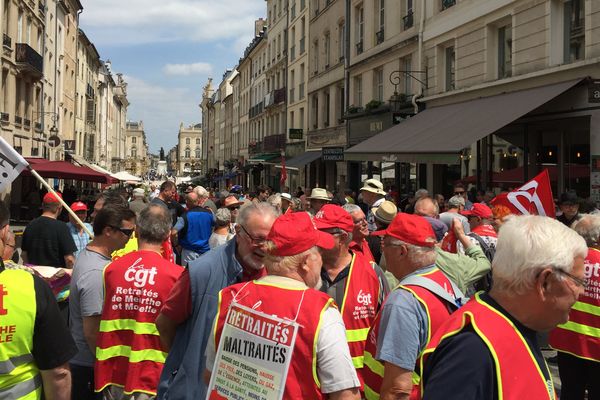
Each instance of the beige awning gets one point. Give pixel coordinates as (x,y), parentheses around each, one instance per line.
(438,134)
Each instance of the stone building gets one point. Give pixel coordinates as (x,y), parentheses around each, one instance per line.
(136,156)
(189,147)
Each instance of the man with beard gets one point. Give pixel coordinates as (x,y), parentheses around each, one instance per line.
(293,263)
(185,321)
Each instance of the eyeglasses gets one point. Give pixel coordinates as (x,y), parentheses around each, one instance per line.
(233,208)
(578,281)
(256,241)
(125,231)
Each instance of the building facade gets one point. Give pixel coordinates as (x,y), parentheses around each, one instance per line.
(136,156)
(189,145)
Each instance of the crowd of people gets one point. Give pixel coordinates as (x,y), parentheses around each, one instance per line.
(394,298)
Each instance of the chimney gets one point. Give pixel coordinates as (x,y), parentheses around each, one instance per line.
(259,25)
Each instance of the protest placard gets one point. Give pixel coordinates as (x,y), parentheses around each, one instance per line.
(11,164)
(253,356)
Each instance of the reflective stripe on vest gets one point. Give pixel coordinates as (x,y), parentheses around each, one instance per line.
(362,278)
(133,355)
(19,376)
(507,347)
(139,328)
(580,335)
(374,370)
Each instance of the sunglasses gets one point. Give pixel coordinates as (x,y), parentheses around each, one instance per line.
(459,193)
(125,231)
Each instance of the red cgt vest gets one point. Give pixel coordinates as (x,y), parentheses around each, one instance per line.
(518,375)
(359,308)
(437,311)
(580,336)
(128,349)
(302,381)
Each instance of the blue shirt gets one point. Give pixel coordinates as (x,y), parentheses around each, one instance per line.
(402,328)
(181,378)
(82,238)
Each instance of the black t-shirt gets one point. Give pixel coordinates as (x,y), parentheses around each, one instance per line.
(462,366)
(47,242)
(53,344)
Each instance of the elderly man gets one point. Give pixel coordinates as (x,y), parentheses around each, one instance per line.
(317,199)
(185,320)
(427,207)
(488,349)
(456,204)
(135,286)
(482,233)
(578,340)
(359,243)
(411,313)
(293,263)
(166,197)
(194,229)
(568,203)
(373,195)
(356,284)
(113,226)
(137,204)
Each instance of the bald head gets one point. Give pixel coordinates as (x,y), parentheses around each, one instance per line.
(192,200)
(427,207)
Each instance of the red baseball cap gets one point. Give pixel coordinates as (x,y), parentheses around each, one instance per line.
(410,228)
(478,210)
(295,233)
(78,206)
(334,216)
(51,198)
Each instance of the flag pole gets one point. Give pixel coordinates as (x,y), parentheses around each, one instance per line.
(61,201)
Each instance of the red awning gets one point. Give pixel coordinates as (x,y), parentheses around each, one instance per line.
(66,170)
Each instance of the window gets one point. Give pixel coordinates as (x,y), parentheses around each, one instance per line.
(327,49)
(198,141)
(316,57)
(450,66)
(341,41)
(315,112)
(133,140)
(20,27)
(574,36)
(292,119)
(187,152)
(407,79)
(381,15)
(447,4)
(187,141)
(28,32)
(505,51)
(408,19)
(198,155)
(378,84)
(301,117)
(133,152)
(360,28)
(327,109)
(358,100)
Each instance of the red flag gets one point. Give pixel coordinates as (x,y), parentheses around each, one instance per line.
(534,197)
(283,172)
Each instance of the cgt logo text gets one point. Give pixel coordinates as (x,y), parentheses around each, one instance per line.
(364,298)
(140,276)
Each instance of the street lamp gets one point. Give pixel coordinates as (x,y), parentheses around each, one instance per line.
(395,78)
(54,118)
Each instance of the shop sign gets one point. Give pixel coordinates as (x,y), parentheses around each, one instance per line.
(69,146)
(332,154)
(296,133)
(594,92)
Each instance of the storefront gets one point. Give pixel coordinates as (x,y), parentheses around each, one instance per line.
(499,141)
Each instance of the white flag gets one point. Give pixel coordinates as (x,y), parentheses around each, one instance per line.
(11,164)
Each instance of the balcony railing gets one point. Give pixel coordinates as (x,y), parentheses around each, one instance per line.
(18,120)
(359,47)
(27,123)
(29,59)
(4,117)
(6,41)
(380,36)
(89,91)
(447,4)
(302,46)
(301,91)
(408,20)
(42,7)
(38,127)
(279,95)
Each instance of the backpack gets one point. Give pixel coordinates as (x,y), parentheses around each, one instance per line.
(484,283)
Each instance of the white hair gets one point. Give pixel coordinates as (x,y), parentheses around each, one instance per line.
(528,243)
(588,227)
(275,200)
(201,192)
(351,208)
(456,201)
(419,256)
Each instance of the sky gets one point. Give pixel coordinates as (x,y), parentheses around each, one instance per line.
(166,51)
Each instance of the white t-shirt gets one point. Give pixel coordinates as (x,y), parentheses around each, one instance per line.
(334,364)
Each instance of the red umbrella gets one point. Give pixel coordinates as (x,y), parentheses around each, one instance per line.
(66,170)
